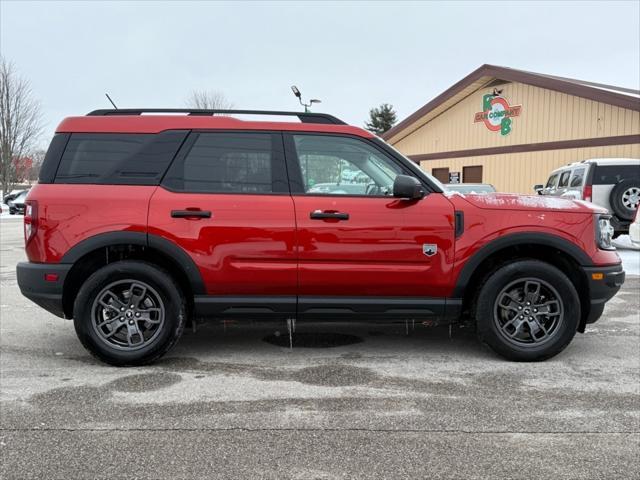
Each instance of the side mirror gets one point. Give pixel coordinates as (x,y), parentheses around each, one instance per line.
(408,188)
(538,188)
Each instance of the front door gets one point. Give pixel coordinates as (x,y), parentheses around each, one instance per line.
(225,201)
(362,252)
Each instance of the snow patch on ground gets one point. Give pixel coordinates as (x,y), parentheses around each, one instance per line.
(629,254)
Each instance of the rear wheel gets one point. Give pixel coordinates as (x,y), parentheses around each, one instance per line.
(527,311)
(129,313)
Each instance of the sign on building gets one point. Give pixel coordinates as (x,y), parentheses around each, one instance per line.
(497,113)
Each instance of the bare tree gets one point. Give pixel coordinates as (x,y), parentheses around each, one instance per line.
(20,122)
(208,99)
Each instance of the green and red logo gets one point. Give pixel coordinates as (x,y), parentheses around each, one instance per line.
(497,113)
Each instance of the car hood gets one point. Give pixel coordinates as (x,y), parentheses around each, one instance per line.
(508,201)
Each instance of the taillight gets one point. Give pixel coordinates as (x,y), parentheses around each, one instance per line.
(587,193)
(30,219)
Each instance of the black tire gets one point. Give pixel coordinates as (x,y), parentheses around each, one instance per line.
(620,196)
(495,320)
(161,315)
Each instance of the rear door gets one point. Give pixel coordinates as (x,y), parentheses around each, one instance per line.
(225,200)
(361,251)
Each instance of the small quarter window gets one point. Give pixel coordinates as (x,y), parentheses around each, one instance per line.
(118,158)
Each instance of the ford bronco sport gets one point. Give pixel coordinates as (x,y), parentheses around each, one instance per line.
(141,222)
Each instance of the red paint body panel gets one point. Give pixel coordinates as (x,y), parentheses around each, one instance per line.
(68,214)
(160,123)
(247,247)
(378,251)
(520,215)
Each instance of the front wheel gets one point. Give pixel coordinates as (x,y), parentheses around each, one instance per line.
(129,313)
(527,310)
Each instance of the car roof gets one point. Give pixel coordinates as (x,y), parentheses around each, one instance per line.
(598,161)
(160,123)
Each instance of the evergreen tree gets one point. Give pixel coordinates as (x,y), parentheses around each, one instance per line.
(381,119)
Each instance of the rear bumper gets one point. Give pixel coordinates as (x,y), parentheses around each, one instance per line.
(602,290)
(45,293)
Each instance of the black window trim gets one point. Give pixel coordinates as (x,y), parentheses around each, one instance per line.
(296,184)
(193,137)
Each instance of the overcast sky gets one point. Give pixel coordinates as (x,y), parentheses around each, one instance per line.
(353,56)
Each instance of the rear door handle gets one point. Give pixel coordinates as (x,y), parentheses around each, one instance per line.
(320,215)
(190,213)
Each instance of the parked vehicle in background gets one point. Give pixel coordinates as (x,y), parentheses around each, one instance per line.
(612,183)
(11,195)
(472,188)
(634,230)
(17,204)
(216,217)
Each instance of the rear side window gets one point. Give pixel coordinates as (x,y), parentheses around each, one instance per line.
(230,162)
(564,179)
(118,158)
(577,177)
(612,174)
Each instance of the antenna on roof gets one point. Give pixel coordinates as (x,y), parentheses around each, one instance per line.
(109,98)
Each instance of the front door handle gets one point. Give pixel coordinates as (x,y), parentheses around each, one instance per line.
(320,215)
(191,213)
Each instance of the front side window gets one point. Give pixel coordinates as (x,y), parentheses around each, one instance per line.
(333,165)
(552,181)
(224,162)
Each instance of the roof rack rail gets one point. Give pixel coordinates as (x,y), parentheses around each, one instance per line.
(305,117)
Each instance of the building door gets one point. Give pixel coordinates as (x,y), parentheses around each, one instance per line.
(441,174)
(472,174)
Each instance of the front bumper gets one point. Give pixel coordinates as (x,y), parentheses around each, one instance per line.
(604,283)
(43,291)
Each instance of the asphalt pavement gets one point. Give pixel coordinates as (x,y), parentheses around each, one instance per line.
(368,401)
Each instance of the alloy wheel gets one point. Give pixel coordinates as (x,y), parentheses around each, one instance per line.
(528,312)
(631,198)
(128,315)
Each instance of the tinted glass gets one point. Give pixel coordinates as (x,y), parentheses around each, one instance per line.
(123,158)
(228,163)
(335,165)
(564,179)
(610,174)
(577,177)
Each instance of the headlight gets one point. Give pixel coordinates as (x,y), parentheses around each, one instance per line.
(604,233)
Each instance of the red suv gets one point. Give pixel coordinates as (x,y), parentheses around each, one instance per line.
(142,222)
